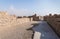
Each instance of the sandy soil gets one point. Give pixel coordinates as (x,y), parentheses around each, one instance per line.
(16,32)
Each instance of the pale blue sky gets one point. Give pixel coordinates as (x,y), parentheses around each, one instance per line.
(27,7)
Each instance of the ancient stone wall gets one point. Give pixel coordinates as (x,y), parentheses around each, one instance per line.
(54,21)
(22,20)
(11,20)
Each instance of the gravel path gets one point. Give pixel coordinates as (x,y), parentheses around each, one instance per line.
(43,31)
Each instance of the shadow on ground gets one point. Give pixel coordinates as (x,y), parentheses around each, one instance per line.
(31,28)
(44,31)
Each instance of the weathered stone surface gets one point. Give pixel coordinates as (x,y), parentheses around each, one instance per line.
(54,21)
(12,27)
(8,20)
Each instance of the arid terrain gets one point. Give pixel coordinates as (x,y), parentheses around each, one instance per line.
(17,32)
(13,27)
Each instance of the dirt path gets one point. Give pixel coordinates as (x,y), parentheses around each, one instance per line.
(16,32)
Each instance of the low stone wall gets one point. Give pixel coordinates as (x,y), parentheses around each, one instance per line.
(22,20)
(54,22)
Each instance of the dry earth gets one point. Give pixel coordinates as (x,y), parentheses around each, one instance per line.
(13,28)
(14,32)
(17,32)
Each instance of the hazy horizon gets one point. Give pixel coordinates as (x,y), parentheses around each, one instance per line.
(30,7)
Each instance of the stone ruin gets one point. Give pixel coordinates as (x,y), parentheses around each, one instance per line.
(6,19)
(11,20)
(54,21)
